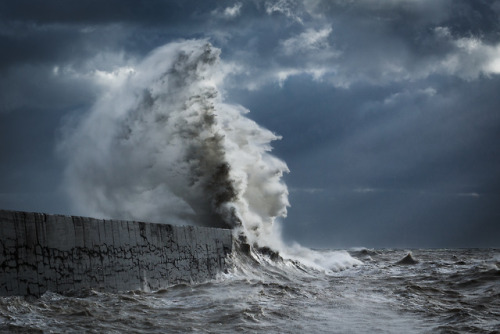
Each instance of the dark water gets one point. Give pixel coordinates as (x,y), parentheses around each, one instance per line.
(446,291)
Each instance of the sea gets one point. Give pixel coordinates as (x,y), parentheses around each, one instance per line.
(387,291)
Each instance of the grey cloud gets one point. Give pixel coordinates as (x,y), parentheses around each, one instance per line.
(399,219)
(388,107)
(229,13)
(404,148)
(41,88)
(380,43)
(98,12)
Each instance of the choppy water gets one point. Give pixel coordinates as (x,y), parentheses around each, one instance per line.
(447,291)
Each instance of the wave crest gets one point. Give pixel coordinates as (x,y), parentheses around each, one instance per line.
(162,145)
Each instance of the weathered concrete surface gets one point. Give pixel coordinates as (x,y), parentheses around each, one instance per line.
(40,252)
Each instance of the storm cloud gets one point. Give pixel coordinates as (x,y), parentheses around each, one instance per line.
(389,110)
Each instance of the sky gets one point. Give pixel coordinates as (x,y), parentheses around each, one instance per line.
(388,110)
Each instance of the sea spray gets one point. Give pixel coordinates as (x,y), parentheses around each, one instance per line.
(162,145)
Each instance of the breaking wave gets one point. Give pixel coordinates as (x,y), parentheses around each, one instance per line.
(161,145)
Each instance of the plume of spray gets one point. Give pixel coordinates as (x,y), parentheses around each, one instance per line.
(161,145)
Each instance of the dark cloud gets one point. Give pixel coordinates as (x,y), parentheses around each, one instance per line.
(98,12)
(30,172)
(413,165)
(388,110)
(394,219)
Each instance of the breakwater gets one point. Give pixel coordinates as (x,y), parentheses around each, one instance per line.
(40,252)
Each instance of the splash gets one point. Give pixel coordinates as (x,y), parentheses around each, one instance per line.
(161,145)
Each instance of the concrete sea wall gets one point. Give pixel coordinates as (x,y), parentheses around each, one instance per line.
(40,252)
